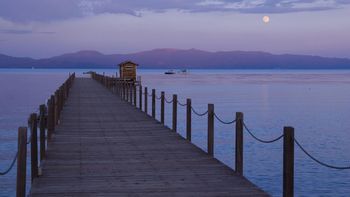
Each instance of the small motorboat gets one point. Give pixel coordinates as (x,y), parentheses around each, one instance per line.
(169,72)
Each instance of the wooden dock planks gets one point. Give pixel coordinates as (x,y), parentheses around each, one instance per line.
(106,147)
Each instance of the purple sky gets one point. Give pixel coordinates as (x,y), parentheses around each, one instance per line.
(44,28)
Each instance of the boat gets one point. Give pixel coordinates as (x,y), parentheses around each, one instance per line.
(169,72)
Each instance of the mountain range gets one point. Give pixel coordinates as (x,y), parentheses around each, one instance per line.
(178,58)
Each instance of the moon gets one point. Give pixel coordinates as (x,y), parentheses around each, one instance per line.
(266,19)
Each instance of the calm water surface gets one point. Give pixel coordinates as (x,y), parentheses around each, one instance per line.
(315,103)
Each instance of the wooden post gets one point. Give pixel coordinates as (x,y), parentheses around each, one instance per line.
(174,112)
(116,87)
(120,92)
(124,90)
(211,129)
(120,84)
(51,117)
(34,145)
(60,93)
(146,96)
(134,88)
(21,162)
(65,91)
(188,120)
(56,108)
(153,103)
(140,97)
(127,92)
(130,93)
(121,89)
(239,143)
(162,107)
(288,162)
(42,131)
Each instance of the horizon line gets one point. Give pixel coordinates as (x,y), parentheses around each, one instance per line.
(174,49)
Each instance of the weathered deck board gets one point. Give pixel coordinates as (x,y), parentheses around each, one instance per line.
(106,147)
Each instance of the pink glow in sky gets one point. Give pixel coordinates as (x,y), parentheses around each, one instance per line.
(41,28)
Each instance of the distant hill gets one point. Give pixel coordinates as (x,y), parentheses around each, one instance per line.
(176,58)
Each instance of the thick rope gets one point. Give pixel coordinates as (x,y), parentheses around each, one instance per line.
(199,114)
(11,166)
(168,101)
(318,161)
(261,140)
(223,122)
(183,105)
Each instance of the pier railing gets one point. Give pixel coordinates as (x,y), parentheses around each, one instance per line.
(46,120)
(129,91)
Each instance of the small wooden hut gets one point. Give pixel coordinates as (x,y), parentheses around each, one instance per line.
(127,70)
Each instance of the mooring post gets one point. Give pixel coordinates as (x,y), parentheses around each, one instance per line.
(130,93)
(59,103)
(288,162)
(239,143)
(65,90)
(134,88)
(42,131)
(162,107)
(211,129)
(120,92)
(188,119)
(124,90)
(174,112)
(146,96)
(50,117)
(116,87)
(21,162)
(117,82)
(153,103)
(60,93)
(140,97)
(34,145)
(127,92)
(56,107)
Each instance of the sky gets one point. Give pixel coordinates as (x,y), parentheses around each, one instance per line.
(45,28)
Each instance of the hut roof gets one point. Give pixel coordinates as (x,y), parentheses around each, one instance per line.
(127,62)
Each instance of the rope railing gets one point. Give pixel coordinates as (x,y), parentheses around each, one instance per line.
(167,101)
(11,165)
(181,104)
(55,104)
(317,160)
(240,128)
(261,140)
(199,114)
(222,121)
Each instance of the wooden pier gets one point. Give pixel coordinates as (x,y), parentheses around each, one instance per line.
(95,137)
(105,146)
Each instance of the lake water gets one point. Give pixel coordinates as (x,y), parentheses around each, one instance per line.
(314,102)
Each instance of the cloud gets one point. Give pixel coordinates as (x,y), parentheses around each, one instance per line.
(44,10)
(23,31)
(15,31)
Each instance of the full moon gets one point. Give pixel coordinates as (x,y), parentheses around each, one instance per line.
(266,19)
